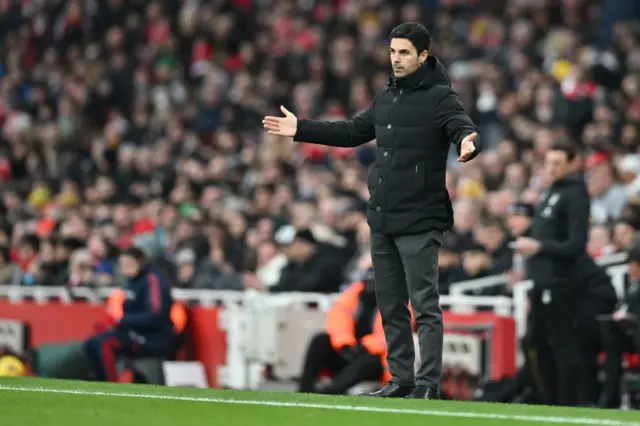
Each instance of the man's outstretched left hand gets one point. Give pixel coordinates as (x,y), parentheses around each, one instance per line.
(467,148)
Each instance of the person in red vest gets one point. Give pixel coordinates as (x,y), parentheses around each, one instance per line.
(352,348)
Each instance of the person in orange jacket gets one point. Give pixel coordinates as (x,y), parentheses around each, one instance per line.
(352,348)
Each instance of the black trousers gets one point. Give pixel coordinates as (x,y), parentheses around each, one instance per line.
(406,269)
(321,356)
(617,339)
(558,344)
(103,349)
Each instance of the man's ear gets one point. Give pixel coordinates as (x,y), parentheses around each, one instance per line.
(423,57)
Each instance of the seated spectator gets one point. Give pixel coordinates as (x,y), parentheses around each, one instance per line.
(186,263)
(519,219)
(270,263)
(81,269)
(608,197)
(625,232)
(448,262)
(600,243)
(104,259)
(8,270)
(629,168)
(64,248)
(621,333)
(518,224)
(352,347)
(145,329)
(493,237)
(204,273)
(476,263)
(25,254)
(308,268)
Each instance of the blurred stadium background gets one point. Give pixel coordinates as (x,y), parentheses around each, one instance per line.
(136,122)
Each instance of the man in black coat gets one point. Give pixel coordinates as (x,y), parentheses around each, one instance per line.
(414,120)
(621,332)
(569,288)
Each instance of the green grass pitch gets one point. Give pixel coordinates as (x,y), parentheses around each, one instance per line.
(41,402)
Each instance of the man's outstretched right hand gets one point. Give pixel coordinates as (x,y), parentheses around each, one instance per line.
(281,126)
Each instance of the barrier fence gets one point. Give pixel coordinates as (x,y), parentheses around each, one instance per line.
(237,333)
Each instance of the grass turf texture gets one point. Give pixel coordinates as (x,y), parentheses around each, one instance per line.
(42,402)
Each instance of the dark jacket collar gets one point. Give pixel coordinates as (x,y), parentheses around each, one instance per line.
(144,271)
(573,178)
(430,74)
(410,81)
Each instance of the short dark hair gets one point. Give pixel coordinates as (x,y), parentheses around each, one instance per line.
(30,240)
(136,252)
(416,33)
(570,150)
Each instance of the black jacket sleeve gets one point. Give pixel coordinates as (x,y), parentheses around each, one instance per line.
(452,118)
(576,202)
(346,133)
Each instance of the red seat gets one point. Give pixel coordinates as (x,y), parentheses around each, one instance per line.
(630,361)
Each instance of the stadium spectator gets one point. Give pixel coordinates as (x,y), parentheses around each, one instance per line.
(493,237)
(621,333)
(448,263)
(117,121)
(309,267)
(138,122)
(81,269)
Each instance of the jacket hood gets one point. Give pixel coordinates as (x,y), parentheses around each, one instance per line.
(431,73)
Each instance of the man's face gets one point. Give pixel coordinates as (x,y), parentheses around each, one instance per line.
(556,165)
(26,251)
(518,224)
(623,235)
(404,57)
(475,262)
(186,271)
(129,266)
(494,237)
(634,271)
(599,180)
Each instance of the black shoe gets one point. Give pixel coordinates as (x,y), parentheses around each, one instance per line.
(423,392)
(390,391)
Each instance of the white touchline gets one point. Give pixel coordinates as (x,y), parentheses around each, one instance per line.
(436,413)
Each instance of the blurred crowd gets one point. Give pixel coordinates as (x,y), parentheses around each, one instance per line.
(137,122)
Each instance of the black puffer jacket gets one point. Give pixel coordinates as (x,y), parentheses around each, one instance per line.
(413,119)
(561,225)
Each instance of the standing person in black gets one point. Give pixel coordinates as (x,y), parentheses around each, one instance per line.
(621,333)
(414,120)
(563,274)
